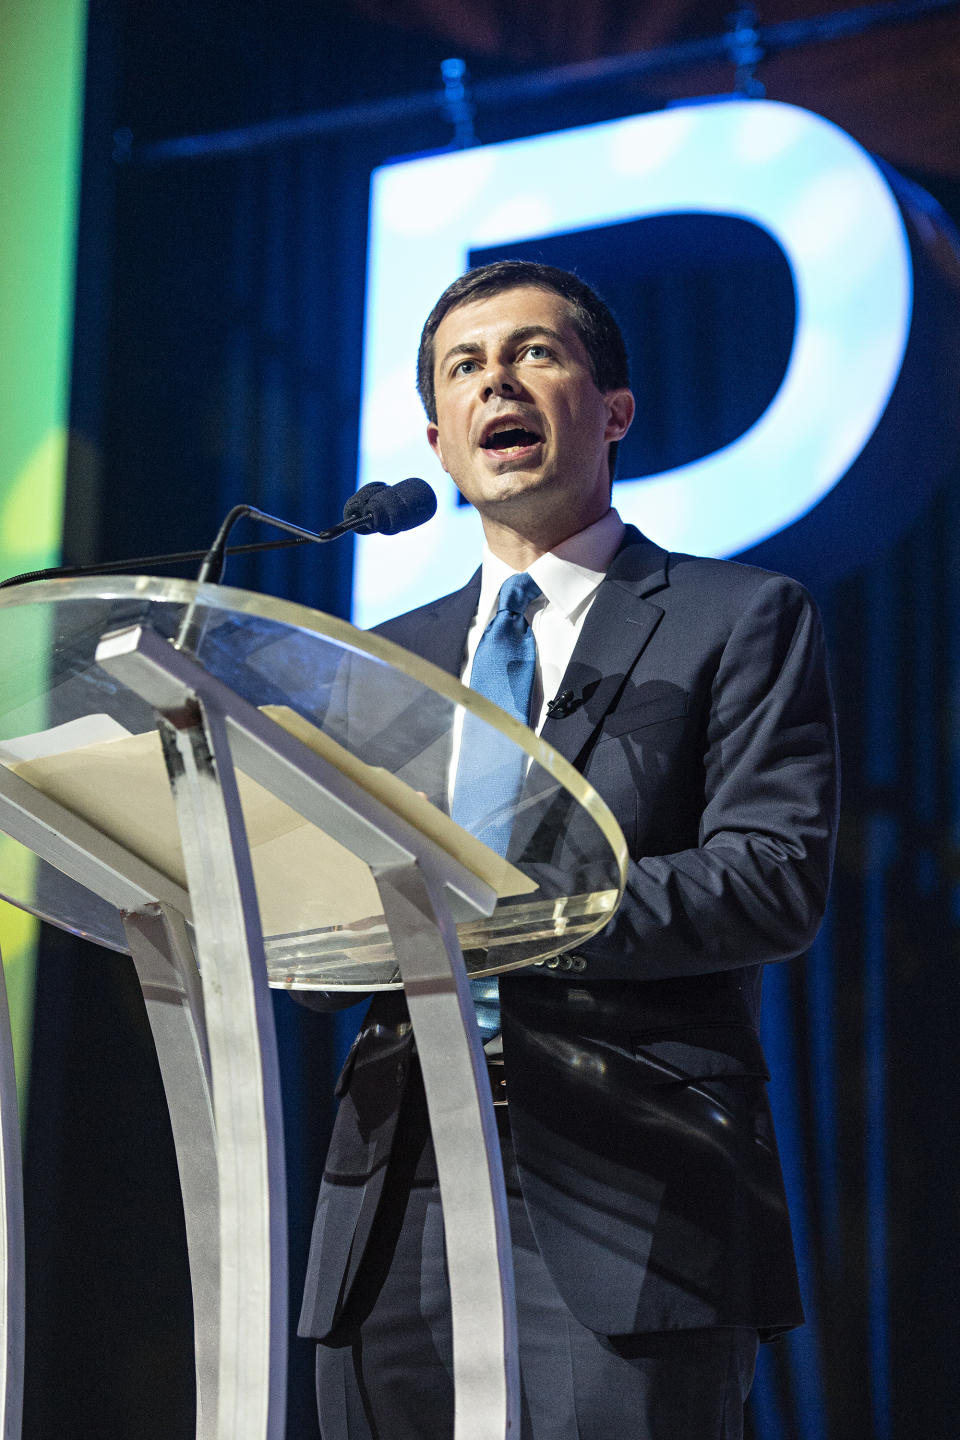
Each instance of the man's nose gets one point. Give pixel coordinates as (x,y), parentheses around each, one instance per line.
(499,379)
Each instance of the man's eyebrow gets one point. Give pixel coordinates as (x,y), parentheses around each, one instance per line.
(528,332)
(515,337)
(466,347)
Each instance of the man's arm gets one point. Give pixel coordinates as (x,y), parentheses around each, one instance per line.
(755,887)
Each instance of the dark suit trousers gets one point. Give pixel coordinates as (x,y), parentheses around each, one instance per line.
(386,1372)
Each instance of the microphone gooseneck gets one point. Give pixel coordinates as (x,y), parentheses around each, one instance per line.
(216,557)
(380,508)
(412,514)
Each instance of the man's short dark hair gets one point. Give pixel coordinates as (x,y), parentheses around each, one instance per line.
(591,317)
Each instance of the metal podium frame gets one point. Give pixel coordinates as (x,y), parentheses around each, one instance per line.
(209,1009)
(198,950)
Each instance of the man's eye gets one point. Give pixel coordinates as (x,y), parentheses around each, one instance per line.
(538,352)
(465,367)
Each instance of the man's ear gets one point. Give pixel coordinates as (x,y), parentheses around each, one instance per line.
(620,411)
(433,440)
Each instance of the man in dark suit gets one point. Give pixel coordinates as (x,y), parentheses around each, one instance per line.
(651,1242)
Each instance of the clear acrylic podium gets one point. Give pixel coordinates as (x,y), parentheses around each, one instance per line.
(266,806)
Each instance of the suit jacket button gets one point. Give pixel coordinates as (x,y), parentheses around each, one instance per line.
(565,962)
(554,964)
(577,963)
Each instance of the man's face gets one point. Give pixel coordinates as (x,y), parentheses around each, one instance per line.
(521,427)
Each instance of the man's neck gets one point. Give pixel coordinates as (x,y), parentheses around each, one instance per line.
(519,549)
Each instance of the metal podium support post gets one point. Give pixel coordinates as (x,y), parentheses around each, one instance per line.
(152,905)
(166,967)
(251,1193)
(251,1389)
(205,729)
(459,1102)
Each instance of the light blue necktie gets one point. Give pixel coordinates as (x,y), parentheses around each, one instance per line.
(491,769)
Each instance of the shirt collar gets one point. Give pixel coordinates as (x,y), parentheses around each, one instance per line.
(568,575)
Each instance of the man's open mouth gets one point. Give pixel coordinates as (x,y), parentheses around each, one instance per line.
(511,438)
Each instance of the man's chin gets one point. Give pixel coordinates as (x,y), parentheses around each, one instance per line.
(514,482)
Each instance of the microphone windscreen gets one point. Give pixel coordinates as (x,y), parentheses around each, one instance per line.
(358,505)
(399,507)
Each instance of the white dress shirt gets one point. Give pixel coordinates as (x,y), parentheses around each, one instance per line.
(568,578)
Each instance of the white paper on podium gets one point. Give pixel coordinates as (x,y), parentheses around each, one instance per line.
(305,880)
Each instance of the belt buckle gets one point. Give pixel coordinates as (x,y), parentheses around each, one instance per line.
(497,1078)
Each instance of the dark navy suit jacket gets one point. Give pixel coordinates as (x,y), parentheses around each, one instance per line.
(636,1080)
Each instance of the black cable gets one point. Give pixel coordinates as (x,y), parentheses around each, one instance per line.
(141,563)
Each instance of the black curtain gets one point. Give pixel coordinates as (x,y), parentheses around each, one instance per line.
(217,358)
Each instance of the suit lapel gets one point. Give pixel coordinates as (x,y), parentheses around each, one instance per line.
(441,629)
(437,633)
(618,626)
